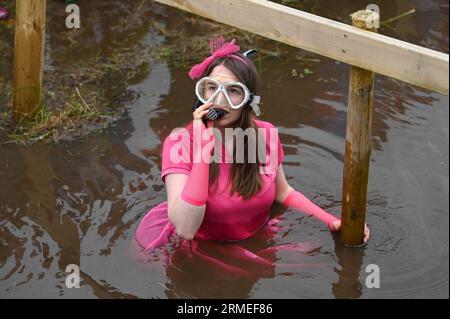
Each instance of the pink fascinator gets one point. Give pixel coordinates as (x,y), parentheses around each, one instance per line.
(218,48)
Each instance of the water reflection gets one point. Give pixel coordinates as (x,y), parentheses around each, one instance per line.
(350,261)
(209,269)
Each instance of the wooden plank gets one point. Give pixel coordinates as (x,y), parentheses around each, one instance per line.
(28,56)
(371,51)
(357,146)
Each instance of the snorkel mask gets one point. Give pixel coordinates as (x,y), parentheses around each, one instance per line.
(232,94)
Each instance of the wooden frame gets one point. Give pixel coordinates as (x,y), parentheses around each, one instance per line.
(371,51)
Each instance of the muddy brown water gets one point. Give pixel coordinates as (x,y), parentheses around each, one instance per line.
(80,202)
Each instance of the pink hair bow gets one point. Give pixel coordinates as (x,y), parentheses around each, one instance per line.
(219,48)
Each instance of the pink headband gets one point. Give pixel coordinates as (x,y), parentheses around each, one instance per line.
(219,48)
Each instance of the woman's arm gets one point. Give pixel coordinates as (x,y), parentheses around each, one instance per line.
(186,217)
(187,194)
(289,197)
(282,187)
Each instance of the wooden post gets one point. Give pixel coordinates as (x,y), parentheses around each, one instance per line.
(28,56)
(357,144)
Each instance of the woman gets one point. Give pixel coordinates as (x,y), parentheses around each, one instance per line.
(212,193)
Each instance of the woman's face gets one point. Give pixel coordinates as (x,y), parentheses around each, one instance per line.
(222,74)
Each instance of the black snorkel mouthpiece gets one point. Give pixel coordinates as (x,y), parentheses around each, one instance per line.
(215,114)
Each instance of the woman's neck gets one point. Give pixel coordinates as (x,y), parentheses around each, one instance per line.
(223,135)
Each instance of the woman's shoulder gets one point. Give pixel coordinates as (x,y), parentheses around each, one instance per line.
(178,140)
(269,128)
(180,133)
(264,124)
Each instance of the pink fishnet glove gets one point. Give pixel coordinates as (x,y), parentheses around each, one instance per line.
(299,201)
(195,191)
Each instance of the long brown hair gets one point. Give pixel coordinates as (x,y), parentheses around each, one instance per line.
(245,177)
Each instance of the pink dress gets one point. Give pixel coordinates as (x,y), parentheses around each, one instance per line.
(228,220)
(227,217)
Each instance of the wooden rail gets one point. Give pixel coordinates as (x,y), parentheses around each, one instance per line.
(371,51)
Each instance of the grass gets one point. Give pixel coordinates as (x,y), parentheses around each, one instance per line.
(92,93)
(50,124)
(89,96)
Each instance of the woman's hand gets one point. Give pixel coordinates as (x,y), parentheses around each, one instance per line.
(336,226)
(208,142)
(201,111)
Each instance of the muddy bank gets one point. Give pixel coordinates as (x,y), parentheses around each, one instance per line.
(86,86)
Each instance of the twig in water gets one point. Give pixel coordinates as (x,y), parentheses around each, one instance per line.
(164,286)
(398,17)
(84,102)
